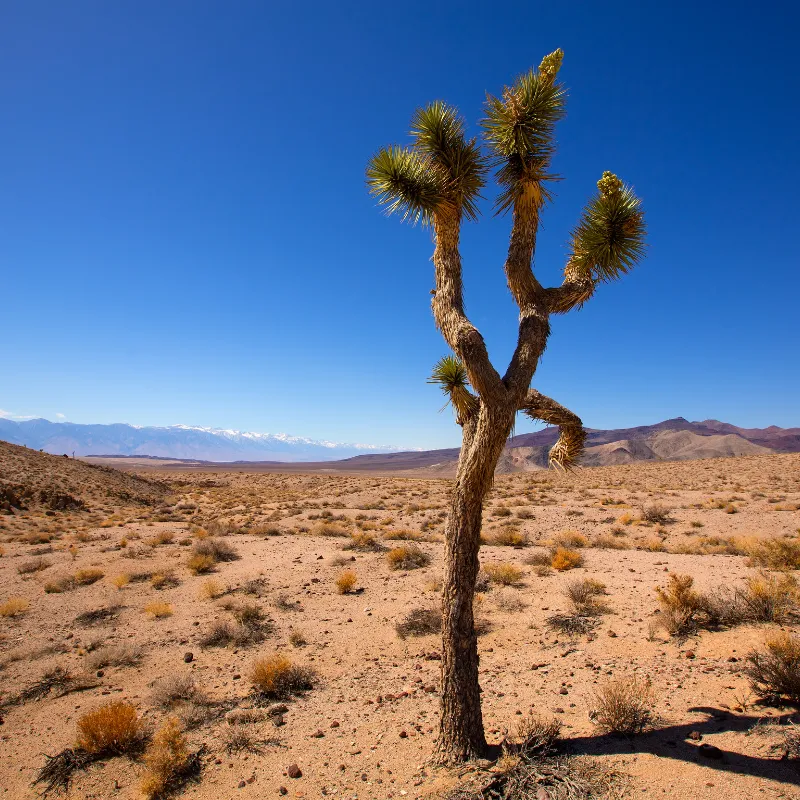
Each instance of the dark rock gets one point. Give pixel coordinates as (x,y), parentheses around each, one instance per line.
(293,771)
(188,658)
(709,751)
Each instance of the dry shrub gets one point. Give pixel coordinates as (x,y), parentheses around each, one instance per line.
(34,565)
(509,601)
(626,518)
(503,573)
(562,559)
(212,589)
(114,655)
(85,577)
(164,580)
(330,529)
(121,581)
(14,606)
(297,639)
(653,545)
(113,728)
(177,688)
(624,706)
(607,541)
(768,598)
(541,558)
(570,540)
(536,737)
(683,609)
(218,549)
(162,537)
(420,622)
(509,537)
(158,609)
(656,513)
(277,677)
(774,673)
(167,760)
(406,536)
(250,627)
(199,564)
(346,582)
(775,553)
(407,556)
(364,542)
(583,596)
(264,530)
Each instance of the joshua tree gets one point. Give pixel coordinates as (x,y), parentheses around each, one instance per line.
(437,181)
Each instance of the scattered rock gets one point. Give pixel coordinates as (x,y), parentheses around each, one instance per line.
(188,658)
(293,771)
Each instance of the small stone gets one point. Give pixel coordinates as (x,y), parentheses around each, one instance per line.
(403,734)
(689,654)
(695,736)
(241,785)
(188,658)
(99,673)
(318,734)
(293,771)
(335,724)
(612,634)
(283,790)
(563,690)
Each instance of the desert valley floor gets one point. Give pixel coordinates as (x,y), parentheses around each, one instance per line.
(162,588)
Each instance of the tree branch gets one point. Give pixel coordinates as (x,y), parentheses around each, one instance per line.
(568,449)
(576,289)
(448,311)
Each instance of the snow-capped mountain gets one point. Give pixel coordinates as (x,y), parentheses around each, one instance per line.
(176,441)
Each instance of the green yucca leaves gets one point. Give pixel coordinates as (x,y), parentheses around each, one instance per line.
(610,236)
(404,182)
(451,377)
(439,134)
(519,128)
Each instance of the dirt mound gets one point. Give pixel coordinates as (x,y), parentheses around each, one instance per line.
(30,479)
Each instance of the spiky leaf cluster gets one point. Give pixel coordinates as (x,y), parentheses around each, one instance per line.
(610,237)
(519,128)
(451,377)
(443,172)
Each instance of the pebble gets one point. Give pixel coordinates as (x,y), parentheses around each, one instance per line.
(188,658)
(293,771)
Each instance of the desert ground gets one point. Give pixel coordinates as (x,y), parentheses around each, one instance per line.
(167,589)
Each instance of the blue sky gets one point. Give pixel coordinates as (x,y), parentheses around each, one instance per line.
(185,235)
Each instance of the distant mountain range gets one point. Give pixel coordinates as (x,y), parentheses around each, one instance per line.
(175,441)
(672,440)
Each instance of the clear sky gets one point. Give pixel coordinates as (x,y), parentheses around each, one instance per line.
(185,234)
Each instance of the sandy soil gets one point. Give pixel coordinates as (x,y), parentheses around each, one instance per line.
(367,729)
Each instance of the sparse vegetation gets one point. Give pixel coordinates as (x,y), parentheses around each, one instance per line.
(346,582)
(278,677)
(168,762)
(407,556)
(85,577)
(624,706)
(503,573)
(776,553)
(420,622)
(14,607)
(158,609)
(774,672)
(563,559)
(113,728)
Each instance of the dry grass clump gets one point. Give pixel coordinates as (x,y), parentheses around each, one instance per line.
(164,580)
(570,540)
(364,542)
(420,622)
(298,639)
(121,581)
(584,596)
(277,677)
(563,559)
(212,589)
(536,737)
(407,556)
(175,689)
(168,762)
(85,577)
(774,673)
(683,609)
(509,537)
(656,514)
(607,541)
(34,565)
(330,529)
(346,582)
(775,553)
(114,655)
(14,606)
(161,538)
(503,573)
(216,548)
(768,598)
(158,609)
(200,564)
(624,706)
(249,626)
(113,728)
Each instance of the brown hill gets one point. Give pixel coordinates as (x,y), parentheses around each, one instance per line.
(30,479)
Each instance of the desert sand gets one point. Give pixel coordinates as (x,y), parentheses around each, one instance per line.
(367,727)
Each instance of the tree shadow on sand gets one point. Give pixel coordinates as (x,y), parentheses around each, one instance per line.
(674,742)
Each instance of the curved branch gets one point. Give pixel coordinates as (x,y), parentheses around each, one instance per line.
(448,311)
(568,449)
(576,289)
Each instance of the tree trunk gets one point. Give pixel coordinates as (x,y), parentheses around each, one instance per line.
(461,735)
